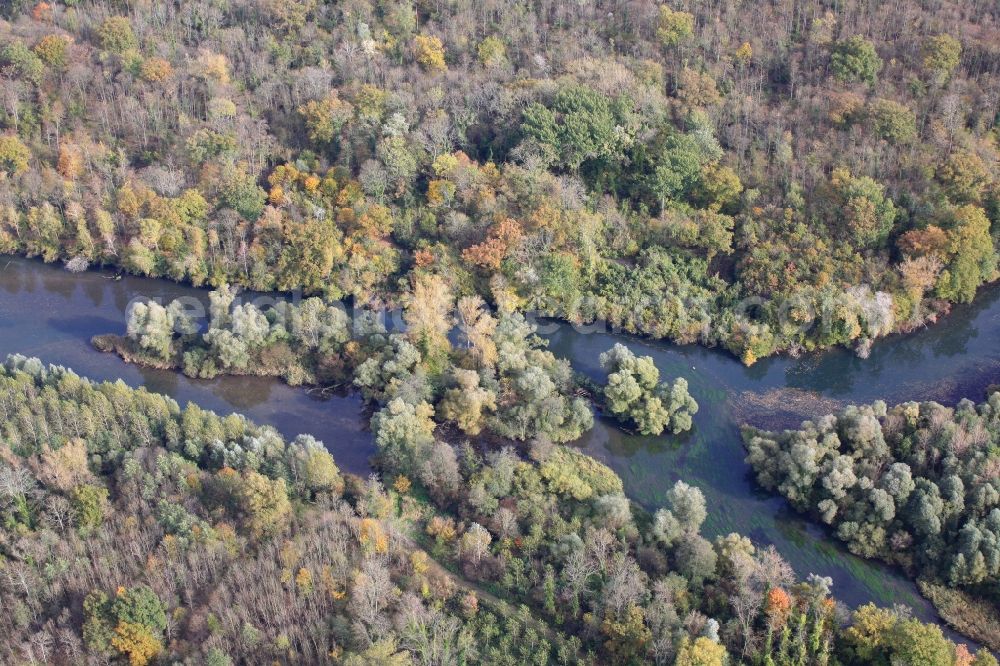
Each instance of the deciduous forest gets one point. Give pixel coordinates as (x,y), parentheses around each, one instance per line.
(916,485)
(138,530)
(774,177)
(767,176)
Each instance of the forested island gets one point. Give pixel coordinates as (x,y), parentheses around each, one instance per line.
(766,178)
(917,485)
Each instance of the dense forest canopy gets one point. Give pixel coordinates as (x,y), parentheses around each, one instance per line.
(764,176)
(917,485)
(137,530)
(773,176)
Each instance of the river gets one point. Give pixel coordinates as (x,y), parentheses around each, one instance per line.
(49,313)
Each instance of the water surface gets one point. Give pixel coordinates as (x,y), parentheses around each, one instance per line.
(52,314)
(958,357)
(49,313)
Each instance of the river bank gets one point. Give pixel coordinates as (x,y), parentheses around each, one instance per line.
(49,313)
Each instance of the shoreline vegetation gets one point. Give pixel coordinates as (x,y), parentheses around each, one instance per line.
(150,326)
(597,578)
(818,323)
(916,485)
(497,377)
(766,177)
(658,175)
(967,615)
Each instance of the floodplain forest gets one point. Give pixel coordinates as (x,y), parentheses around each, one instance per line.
(775,177)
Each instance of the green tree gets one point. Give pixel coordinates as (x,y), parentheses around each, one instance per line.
(264,503)
(674,27)
(14,155)
(97,631)
(89,504)
(140,605)
(560,281)
(678,169)
(861,205)
(627,636)
(288,14)
(870,633)
(580,125)
(22,61)
(404,434)
(239,191)
(965,177)
(390,371)
(573,474)
(326,117)
(115,35)
(941,55)
(537,388)
(855,60)
(467,403)
(400,164)
(52,49)
(973,259)
(913,642)
(687,503)
(151,327)
(217,657)
(492,52)
(312,467)
(892,121)
(634,392)
(205,144)
(984,658)
(718,187)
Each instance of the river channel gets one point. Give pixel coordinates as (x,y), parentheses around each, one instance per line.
(49,313)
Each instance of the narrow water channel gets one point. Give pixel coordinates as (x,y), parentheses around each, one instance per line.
(49,313)
(958,357)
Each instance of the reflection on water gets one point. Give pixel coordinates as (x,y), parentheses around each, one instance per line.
(51,314)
